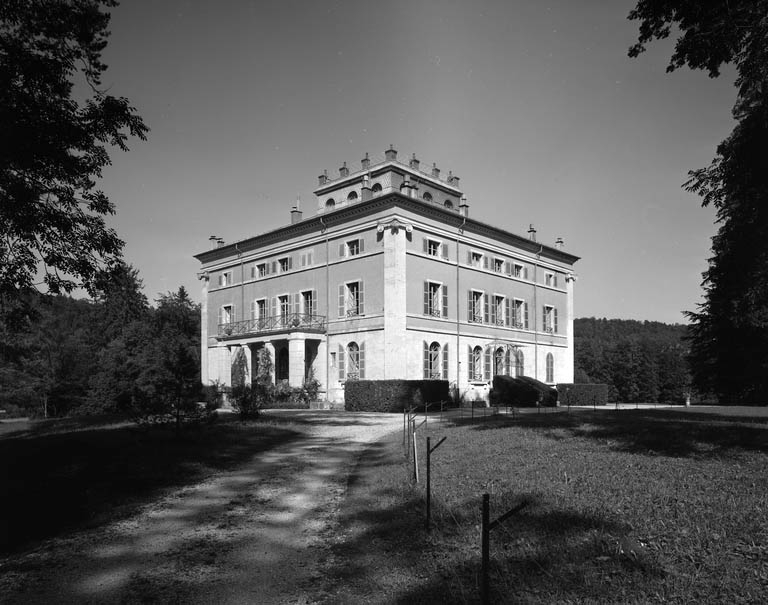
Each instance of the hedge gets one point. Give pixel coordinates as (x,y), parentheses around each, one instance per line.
(521,392)
(392,395)
(583,394)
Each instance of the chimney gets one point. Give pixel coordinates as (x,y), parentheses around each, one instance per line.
(452,179)
(323,178)
(343,171)
(559,243)
(219,242)
(296,212)
(532,233)
(390,154)
(365,162)
(464,207)
(435,171)
(365,192)
(405,188)
(414,163)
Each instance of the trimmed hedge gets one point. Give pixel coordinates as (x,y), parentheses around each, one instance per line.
(392,395)
(583,394)
(522,392)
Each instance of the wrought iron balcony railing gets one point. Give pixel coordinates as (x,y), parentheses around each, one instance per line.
(291,322)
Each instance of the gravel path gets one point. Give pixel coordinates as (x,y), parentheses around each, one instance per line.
(243,536)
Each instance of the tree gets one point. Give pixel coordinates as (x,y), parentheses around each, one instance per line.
(729,332)
(53,147)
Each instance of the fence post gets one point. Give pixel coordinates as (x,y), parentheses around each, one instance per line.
(429,486)
(485,547)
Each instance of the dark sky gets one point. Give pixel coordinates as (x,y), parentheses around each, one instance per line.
(535,105)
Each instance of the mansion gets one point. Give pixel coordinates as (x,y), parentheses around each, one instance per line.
(389,278)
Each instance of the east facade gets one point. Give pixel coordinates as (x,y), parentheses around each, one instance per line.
(390,278)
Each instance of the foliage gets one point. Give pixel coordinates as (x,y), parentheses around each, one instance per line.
(521,392)
(54,146)
(641,362)
(245,401)
(392,395)
(582,394)
(729,332)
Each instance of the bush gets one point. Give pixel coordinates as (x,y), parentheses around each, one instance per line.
(392,395)
(523,391)
(583,394)
(246,400)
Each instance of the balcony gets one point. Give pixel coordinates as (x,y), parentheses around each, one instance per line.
(293,322)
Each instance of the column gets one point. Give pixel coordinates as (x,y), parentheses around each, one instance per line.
(320,367)
(270,348)
(296,360)
(570,279)
(204,373)
(395,358)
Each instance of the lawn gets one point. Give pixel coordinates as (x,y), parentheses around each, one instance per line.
(633,506)
(68,474)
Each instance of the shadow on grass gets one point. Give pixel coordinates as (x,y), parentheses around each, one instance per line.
(652,432)
(60,481)
(382,553)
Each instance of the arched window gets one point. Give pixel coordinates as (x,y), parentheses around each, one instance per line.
(352,361)
(519,363)
(476,364)
(376,188)
(352,196)
(330,203)
(508,362)
(550,368)
(427,197)
(432,369)
(498,361)
(448,204)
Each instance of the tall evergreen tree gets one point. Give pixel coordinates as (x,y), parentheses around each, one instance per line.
(729,343)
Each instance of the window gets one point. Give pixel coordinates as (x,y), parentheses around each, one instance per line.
(519,363)
(519,314)
(498,362)
(225,279)
(475,365)
(351,361)
(284,308)
(475,259)
(499,311)
(435,299)
(435,361)
(351,299)
(260,270)
(226,314)
(427,197)
(351,248)
(329,204)
(519,271)
(550,279)
(498,265)
(550,368)
(259,311)
(432,247)
(550,319)
(352,197)
(285,264)
(376,188)
(308,258)
(448,204)
(309,302)
(477,307)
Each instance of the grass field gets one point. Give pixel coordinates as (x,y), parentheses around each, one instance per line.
(61,475)
(623,507)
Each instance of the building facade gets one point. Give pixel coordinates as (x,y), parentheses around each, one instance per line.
(390,278)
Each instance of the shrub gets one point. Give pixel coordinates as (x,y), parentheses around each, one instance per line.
(583,394)
(392,395)
(523,391)
(246,400)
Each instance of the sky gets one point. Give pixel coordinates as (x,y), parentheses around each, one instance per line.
(534,105)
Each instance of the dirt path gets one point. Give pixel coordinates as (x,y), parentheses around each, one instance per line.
(241,537)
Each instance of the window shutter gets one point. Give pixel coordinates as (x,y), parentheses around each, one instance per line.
(554,312)
(485,262)
(310,257)
(469,257)
(426,298)
(253,272)
(554,280)
(487,363)
(525,312)
(297,304)
(525,272)
(445,301)
(361,365)
(360,298)
(485,307)
(362,245)
(274,266)
(493,312)
(508,268)
(221,315)
(544,317)
(444,251)
(303,260)
(253,309)
(470,365)
(426,360)
(445,361)
(233,317)
(290,263)
(470,314)
(266,268)
(425,245)
(342,359)
(221,280)
(507,312)
(342,306)
(314,302)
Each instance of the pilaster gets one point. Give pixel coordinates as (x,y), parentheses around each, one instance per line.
(395,282)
